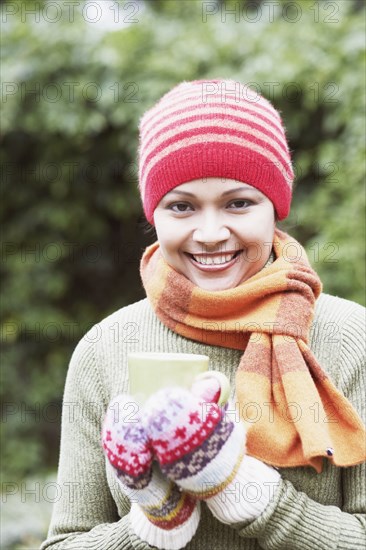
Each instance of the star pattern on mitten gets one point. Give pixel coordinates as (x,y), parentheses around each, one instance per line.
(188,425)
(127,445)
(180,432)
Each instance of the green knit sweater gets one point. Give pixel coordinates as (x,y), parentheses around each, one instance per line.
(309,511)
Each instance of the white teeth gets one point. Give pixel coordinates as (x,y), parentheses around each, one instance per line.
(216,260)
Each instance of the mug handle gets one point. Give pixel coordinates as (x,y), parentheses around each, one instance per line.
(223,382)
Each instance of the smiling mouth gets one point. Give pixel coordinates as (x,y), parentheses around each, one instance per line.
(214,259)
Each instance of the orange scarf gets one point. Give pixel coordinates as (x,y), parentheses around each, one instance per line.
(297,416)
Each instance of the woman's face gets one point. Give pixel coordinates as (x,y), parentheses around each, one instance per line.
(215,232)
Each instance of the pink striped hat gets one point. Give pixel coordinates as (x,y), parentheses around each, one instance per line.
(213,128)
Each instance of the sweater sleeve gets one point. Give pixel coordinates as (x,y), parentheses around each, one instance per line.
(86,516)
(293,520)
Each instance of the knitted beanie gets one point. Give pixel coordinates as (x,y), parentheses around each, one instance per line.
(213,128)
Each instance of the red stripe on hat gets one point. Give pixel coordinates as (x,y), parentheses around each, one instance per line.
(214,130)
(220,116)
(193,99)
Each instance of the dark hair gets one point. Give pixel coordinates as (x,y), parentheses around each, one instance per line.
(147,228)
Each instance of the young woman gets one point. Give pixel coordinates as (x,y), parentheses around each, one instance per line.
(283,468)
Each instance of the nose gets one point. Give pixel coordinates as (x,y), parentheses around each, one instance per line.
(211,230)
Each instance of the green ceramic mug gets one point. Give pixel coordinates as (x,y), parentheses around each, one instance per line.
(151,371)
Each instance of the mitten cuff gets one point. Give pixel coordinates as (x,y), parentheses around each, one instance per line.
(168,538)
(216,464)
(248,494)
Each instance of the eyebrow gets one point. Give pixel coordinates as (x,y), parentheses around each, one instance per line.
(229,192)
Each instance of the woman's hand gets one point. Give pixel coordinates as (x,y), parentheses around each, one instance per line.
(202,449)
(164,516)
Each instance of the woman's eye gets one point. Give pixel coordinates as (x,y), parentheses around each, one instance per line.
(180,207)
(240,203)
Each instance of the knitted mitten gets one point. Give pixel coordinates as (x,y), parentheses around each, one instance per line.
(202,449)
(161,514)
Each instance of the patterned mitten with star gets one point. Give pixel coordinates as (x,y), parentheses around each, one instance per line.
(202,449)
(161,514)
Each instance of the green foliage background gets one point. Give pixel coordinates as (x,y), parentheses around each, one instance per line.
(72,225)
